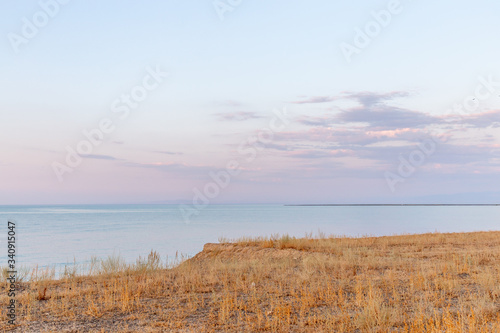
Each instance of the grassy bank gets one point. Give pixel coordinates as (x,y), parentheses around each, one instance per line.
(412,283)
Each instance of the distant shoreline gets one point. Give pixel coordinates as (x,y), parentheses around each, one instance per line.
(424,205)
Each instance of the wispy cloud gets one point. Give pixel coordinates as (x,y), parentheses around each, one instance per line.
(376,115)
(101,157)
(180,170)
(237,116)
(357,136)
(367,137)
(168,152)
(481,120)
(385,117)
(375,112)
(314,154)
(316,99)
(367,98)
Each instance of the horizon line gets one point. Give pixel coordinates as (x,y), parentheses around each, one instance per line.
(257,203)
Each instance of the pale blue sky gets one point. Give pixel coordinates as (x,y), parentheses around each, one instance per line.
(225,79)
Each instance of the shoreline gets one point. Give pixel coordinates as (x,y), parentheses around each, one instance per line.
(282,283)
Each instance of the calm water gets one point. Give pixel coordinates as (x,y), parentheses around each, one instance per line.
(57,235)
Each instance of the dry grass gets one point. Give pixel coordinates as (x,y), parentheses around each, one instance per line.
(411,283)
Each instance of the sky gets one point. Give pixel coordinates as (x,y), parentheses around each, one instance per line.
(234,101)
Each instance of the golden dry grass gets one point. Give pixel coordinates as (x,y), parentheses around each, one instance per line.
(410,283)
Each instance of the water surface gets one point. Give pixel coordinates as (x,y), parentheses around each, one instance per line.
(58,235)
